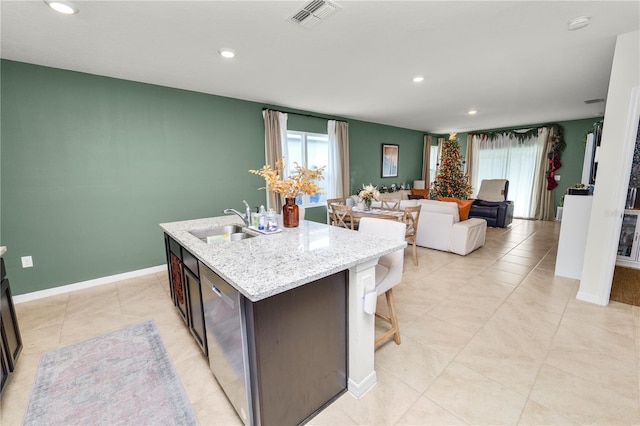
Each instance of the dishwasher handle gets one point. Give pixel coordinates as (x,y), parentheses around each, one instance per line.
(215,290)
(226,299)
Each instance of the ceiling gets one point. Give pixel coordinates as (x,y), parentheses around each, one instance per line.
(515,62)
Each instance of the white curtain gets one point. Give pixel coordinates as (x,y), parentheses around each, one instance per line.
(468,164)
(275,142)
(546,204)
(338,168)
(439,156)
(505,157)
(426,159)
(539,180)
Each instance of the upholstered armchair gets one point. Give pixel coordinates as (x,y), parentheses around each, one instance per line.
(491,203)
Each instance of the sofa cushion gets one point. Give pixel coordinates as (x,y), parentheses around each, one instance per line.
(443,207)
(492,190)
(407,203)
(402,194)
(463,206)
(423,192)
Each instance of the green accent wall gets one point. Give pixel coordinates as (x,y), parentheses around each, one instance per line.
(366,154)
(91,165)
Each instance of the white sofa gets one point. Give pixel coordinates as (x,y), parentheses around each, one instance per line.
(440,228)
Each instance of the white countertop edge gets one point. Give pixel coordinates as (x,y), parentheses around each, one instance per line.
(3,250)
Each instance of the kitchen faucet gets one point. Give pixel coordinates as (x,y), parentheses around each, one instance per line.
(246,218)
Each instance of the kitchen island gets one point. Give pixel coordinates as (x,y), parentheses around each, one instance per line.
(299,277)
(10,339)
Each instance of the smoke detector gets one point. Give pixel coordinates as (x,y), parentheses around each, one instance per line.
(577,23)
(313,12)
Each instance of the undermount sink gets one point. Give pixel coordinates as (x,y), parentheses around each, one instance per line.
(221,234)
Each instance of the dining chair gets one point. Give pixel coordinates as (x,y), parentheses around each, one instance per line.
(343,216)
(330,203)
(411,218)
(390,204)
(388,271)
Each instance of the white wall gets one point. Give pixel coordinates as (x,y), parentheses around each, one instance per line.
(614,167)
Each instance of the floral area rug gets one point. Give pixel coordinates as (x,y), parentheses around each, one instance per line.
(121,378)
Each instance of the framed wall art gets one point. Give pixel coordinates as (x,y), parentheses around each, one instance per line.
(390,160)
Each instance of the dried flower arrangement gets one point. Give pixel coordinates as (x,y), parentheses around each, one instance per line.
(296,184)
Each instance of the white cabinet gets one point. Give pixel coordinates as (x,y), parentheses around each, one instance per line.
(628,251)
(573,235)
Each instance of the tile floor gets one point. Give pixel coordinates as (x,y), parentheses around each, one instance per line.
(490,338)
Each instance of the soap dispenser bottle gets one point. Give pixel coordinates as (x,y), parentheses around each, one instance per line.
(272,221)
(255,218)
(262,219)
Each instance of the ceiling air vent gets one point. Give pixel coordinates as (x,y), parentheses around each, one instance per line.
(313,12)
(594,101)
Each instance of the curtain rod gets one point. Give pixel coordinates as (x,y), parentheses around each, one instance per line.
(302,115)
(522,129)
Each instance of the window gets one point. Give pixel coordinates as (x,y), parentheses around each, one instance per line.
(311,149)
(506,157)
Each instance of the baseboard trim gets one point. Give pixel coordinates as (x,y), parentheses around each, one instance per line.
(27,297)
(591,298)
(359,389)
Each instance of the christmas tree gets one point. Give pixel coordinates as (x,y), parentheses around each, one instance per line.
(451,181)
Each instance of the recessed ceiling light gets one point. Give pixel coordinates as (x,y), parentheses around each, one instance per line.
(472,112)
(418,79)
(227,53)
(577,23)
(64,7)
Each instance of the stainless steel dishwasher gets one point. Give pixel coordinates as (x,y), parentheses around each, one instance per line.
(226,340)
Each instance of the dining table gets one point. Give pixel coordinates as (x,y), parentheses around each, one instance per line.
(376,212)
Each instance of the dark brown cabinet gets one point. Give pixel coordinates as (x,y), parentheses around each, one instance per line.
(184,282)
(176,281)
(196,314)
(298,350)
(4,369)
(10,339)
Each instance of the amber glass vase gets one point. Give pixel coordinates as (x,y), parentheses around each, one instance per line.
(290,213)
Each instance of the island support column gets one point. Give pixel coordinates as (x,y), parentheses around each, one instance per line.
(362,376)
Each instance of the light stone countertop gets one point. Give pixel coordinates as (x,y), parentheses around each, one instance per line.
(3,250)
(267,265)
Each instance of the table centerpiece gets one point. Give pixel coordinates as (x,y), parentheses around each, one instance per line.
(368,194)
